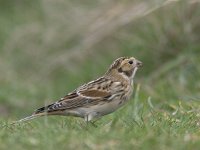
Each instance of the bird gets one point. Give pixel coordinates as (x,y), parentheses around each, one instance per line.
(98,97)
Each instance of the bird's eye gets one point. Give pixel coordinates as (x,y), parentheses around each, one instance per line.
(130,62)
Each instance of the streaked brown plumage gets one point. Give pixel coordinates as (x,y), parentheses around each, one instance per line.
(99,97)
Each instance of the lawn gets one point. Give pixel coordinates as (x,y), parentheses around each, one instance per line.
(49,48)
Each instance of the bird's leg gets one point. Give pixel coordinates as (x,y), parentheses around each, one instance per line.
(90,117)
(86,118)
(87,121)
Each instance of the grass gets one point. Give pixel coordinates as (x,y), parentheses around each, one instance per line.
(48,49)
(138,125)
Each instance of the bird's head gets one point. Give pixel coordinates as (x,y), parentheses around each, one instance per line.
(125,67)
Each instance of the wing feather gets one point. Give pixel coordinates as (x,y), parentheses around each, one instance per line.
(83,97)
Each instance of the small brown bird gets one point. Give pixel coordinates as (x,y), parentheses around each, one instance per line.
(99,97)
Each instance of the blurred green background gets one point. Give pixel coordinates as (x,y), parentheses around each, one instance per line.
(48,48)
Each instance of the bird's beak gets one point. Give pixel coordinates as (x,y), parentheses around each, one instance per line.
(139,64)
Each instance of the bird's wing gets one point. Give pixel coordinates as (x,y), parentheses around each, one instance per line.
(87,95)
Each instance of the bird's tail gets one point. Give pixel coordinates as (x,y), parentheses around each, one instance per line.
(43,111)
(33,116)
(26,118)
